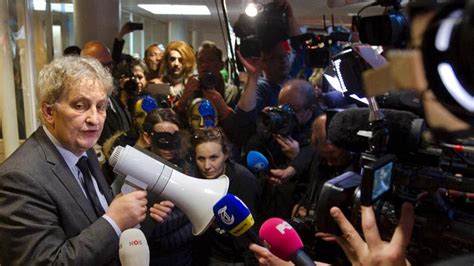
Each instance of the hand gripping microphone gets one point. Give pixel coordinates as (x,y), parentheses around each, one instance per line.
(133,248)
(257,162)
(233,216)
(283,241)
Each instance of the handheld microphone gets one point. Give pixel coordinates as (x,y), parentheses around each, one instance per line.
(283,241)
(257,162)
(234,216)
(133,248)
(405,130)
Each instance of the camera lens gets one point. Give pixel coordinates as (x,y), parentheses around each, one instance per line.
(208,81)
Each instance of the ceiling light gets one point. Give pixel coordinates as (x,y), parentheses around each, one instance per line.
(40,5)
(253,9)
(176,9)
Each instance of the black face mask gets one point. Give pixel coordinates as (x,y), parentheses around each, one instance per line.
(166,140)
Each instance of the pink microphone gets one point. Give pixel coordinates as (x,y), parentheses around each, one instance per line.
(283,241)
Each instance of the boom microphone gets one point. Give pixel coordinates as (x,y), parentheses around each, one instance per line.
(283,241)
(257,162)
(405,130)
(234,217)
(194,196)
(133,248)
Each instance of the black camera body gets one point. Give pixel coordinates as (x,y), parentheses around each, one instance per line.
(208,81)
(123,70)
(278,120)
(263,31)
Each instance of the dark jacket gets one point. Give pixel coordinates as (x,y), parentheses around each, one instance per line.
(224,246)
(45,217)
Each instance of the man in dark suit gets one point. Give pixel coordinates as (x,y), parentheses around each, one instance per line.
(55,205)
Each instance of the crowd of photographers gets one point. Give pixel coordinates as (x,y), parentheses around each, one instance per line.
(187,106)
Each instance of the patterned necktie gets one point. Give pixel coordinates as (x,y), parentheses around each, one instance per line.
(83,165)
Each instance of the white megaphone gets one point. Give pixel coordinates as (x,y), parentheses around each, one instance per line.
(195,197)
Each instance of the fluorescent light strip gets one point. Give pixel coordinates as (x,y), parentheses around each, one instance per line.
(454,87)
(176,9)
(40,5)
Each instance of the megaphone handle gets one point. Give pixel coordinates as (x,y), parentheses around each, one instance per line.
(132,184)
(126,188)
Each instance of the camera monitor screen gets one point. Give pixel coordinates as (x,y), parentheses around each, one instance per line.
(382,178)
(376,179)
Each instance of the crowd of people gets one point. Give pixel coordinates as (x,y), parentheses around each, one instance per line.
(177,103)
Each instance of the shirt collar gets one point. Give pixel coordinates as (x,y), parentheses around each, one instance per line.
(70,158)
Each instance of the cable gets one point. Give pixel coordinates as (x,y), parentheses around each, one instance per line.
(233,72)
(220,22)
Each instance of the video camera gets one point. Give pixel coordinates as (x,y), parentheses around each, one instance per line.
(389,29)
(436,174)
(278,120)
(263,31)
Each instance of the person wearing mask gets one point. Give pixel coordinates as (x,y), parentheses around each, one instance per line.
(168,230)
(212,152)
(58,209)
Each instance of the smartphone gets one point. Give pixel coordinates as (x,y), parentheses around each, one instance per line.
(377,179)
(135,26)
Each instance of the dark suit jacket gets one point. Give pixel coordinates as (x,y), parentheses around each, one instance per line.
(45,217)
(116,121)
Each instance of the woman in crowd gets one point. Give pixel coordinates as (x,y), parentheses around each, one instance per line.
(212,151)
(170,239)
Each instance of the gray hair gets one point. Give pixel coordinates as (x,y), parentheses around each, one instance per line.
(68,71)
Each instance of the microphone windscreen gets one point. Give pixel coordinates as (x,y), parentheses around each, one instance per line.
(405,130)
(257,162)
(232,215)
(133,248)
(280,238)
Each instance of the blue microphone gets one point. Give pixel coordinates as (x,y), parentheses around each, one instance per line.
(234,217)
(257,162)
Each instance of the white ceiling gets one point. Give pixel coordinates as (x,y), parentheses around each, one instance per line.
(308,12)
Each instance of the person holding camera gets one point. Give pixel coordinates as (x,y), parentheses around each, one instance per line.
(327,161)
(276,64)
(286,145)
